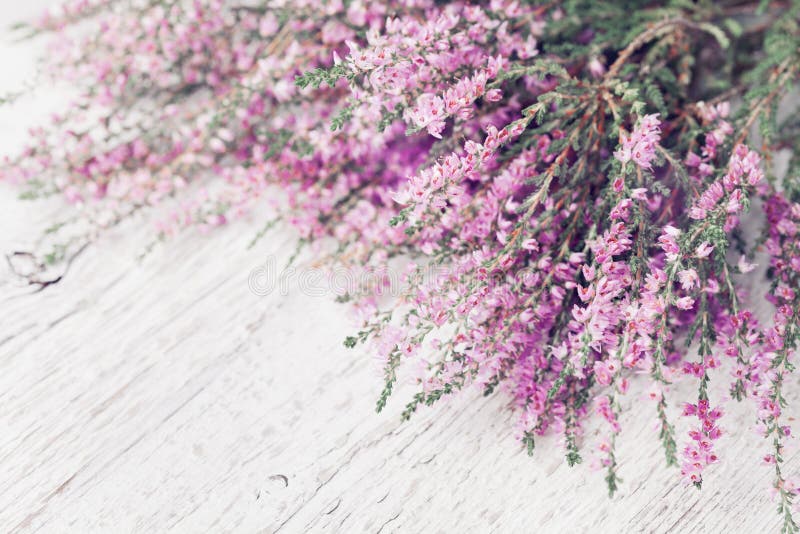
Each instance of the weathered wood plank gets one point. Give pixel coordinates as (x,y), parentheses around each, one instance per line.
(166,394)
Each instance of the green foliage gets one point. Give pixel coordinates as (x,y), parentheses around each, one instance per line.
(528,442)
(344,115)
(328,76)
(390,377)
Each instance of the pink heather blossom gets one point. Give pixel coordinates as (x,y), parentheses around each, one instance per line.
(602,373)
(743,170)
(669,243)
(704,250)
(596,68)
(429,113)
(688,279)
(640,146)
(744,266)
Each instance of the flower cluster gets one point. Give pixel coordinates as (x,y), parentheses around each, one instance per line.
(700,452)
(572,172)
(641,145)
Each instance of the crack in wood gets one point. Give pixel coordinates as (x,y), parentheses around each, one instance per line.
(389,521)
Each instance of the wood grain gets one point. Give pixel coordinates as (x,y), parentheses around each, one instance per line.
(166,396)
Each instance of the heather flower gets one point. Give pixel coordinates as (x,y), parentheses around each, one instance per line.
(640,146)
(429,113)
(744,266)
(669,243)
(688,279)
(704,250)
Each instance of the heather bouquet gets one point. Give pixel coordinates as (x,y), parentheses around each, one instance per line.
(563,185)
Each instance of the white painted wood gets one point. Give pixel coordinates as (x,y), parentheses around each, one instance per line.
(165,395)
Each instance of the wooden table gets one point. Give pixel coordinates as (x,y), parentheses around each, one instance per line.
(165,395)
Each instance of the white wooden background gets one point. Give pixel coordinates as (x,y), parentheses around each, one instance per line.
(165,395)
